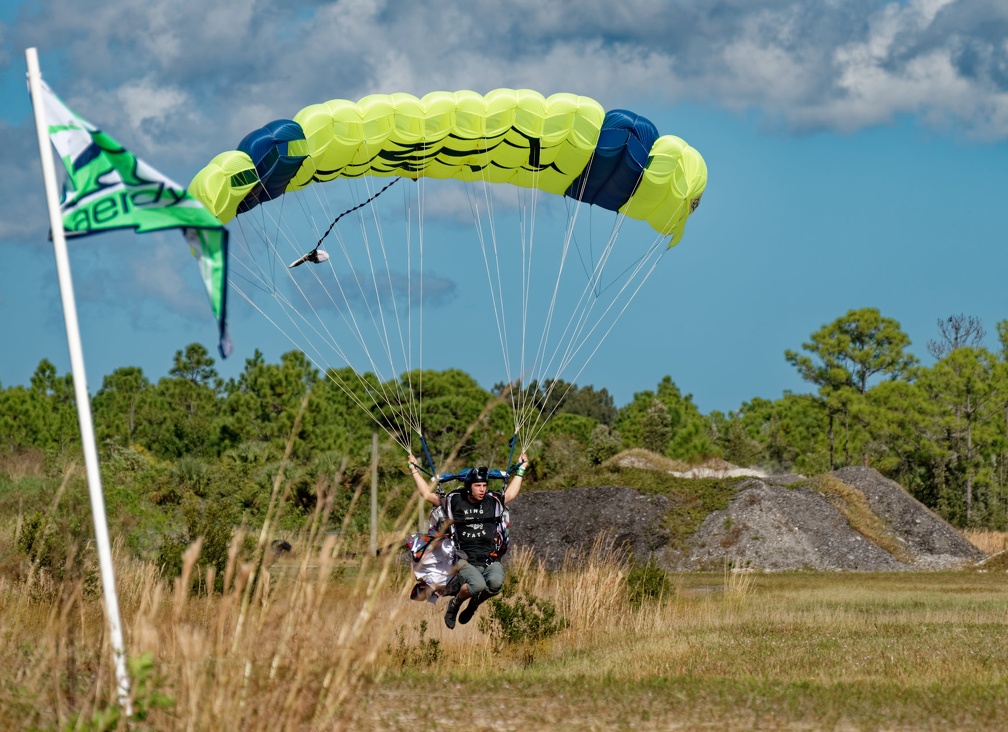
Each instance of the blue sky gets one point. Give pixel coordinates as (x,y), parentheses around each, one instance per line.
(856,156)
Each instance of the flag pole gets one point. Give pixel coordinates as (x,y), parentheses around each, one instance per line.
(80,384)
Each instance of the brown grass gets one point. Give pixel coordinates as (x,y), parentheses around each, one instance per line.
(637,457)
(20,464)
(732,650)
(990,542)
(287,653)
(854,506)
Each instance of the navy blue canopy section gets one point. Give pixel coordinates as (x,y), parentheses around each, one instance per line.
(267,147)
(620,157)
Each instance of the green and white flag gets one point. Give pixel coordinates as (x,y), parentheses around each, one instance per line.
(110,188)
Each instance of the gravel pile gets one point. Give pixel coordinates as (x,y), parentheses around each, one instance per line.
(777,528)
(771,523)
(555,523)
(932,540)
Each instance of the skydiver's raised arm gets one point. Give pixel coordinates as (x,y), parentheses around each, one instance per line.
(516,482)
(422,486)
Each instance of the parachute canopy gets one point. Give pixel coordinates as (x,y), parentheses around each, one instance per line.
(563,144)
(401,277)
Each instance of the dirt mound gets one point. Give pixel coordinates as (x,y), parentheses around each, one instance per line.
(645,460)
(930,538)
(776,528)
(773,523)
(553,523)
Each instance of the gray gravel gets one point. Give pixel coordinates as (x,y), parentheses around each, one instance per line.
(771,524)
(932,540)
(554,523)
(776,528)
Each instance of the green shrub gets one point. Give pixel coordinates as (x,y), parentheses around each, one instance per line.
(563,459)
(426,652)
(59,545)
(526,619)
(604,443)
(216,522)
(647,583)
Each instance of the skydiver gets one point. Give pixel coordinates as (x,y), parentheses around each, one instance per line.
(479,567)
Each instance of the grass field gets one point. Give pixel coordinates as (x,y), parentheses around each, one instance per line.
(325,638)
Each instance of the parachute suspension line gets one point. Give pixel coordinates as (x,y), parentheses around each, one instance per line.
(474,207)
(586,302)
(351,324)
(319,363)
(262,272)
(380,324)
(569,239)
(415,410)
(418,404)
(573,334)
(575,324)
(290,310)
(655,247)
(617,223)
(347,315)
(348,311)
(540,353)
(591,291)
(497,295)
(413,402)
(526,278)
(539,363)
(496,281)
(629,300)
(252,271)
(382,317)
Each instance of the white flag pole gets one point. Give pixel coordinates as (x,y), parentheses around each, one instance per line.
(80,382)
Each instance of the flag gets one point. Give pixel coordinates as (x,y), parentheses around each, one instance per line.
(108,187)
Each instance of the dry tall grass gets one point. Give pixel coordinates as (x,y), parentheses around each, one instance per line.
(315,648)
(991,542)
(276,650)
(283,647)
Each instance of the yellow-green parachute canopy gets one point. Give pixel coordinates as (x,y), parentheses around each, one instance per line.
(562,144)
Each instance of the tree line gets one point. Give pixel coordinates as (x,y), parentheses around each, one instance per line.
(197,443)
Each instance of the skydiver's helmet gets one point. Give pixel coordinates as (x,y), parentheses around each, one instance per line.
(475,475)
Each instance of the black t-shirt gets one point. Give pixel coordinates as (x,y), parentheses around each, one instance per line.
(475,538)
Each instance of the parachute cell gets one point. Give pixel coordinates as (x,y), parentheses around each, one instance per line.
(621,155)
(267,148)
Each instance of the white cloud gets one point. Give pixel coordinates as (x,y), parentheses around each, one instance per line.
(177,83)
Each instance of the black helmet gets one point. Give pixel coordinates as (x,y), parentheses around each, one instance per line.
(475,475)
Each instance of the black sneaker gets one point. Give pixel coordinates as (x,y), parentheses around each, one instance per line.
(468,611)
(451,613)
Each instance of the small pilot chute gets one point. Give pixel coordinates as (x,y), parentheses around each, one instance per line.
(315,256)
